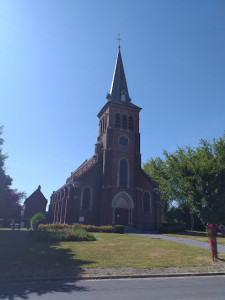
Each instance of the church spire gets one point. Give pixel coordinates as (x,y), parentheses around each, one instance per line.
(119,90)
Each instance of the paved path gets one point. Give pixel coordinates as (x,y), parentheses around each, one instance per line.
(194,243)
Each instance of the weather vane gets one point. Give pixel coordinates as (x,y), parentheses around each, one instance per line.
(118,38)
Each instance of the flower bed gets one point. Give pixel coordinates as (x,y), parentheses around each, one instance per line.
(62,234)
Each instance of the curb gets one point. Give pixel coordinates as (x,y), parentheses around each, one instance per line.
(112,277)
(153,276)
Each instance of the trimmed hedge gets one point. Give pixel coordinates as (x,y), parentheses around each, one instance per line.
(171,227)
(88,228)
(43,227)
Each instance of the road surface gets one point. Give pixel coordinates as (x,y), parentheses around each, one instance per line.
(132,289)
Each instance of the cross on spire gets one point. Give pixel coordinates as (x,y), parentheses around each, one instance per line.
(119,39)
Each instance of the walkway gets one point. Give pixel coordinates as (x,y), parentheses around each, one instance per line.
(194,243)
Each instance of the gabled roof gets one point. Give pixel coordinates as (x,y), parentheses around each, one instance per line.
(37,194)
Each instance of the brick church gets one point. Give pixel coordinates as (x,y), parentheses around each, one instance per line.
(111,187)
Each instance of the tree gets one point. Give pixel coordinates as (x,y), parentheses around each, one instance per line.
(194,177)
(158,170)
(9,198)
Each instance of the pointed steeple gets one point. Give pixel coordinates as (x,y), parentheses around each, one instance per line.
(119,90)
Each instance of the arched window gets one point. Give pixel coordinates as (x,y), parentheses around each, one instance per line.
(146,203)
(117,121)
(101,127)
(131,123)
(124,122)
(105,123)
(86,199)
(123,173)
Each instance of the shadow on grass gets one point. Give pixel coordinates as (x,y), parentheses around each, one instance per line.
(26,266)
(220,259)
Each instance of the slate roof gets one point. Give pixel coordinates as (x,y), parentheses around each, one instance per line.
(119,83)
(119,91)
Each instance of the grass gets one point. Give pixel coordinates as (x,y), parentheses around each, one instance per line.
(139,252)
(20,257)
(198,236)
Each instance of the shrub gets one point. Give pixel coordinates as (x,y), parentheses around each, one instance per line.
(171,227)
(108,229)
(37,219)
(119,229)
(79,235)
(162,229)
(53,226)
(91,228)
(61,235)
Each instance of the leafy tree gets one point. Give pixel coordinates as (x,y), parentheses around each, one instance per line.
(9,198)
(158,170)
(194,177)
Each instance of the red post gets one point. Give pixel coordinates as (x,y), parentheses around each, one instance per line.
(213,242)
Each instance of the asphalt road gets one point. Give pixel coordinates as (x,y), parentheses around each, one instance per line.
(166,288)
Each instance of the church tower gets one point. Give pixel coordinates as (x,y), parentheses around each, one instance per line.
(111,187)
(119,138)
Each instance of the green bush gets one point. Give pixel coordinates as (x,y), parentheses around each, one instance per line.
(79,235)
(119,229)
(37,219)
(171,227)
(162,229)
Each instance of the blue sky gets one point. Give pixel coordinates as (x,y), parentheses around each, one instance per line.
(56,65)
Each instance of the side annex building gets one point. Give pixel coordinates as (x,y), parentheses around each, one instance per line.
(111,187)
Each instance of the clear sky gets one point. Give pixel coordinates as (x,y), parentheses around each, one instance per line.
(56,65)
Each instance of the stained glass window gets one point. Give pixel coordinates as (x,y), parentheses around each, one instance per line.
(123,173)
(86,199)
(146,203)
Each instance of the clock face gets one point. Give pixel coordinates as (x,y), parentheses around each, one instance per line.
(123,141)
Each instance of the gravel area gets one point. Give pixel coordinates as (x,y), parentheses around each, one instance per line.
(218,267)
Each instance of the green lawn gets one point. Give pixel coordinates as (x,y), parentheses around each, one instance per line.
(197,235)
(20,257)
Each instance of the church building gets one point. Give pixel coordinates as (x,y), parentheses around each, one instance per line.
(111,187)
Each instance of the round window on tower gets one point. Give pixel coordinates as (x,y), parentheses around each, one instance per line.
(123,141)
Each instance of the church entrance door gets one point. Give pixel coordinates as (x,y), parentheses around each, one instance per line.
(122,207)
(121,216)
